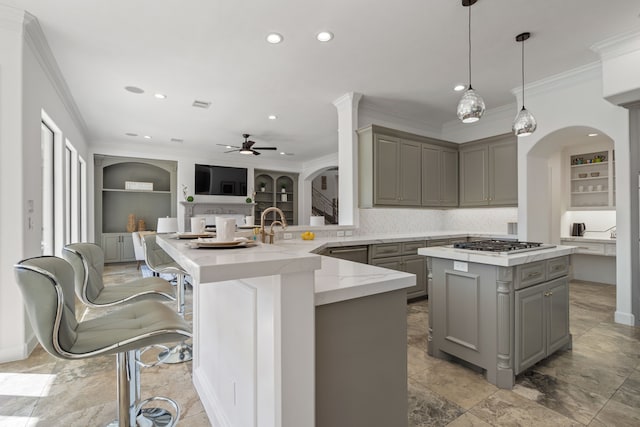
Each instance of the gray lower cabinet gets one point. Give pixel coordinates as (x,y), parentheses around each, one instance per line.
(489,172)
(118,247)
(402,256)
(542,321)
(350,253)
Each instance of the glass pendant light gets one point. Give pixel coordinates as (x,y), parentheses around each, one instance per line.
(524,124)
(471,105)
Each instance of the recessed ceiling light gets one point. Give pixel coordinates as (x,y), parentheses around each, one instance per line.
(134,89)
(592,134)
(324,36)
(147,137)
(273,117)
(160,96)
(274,38)
(459,88)
(131,134)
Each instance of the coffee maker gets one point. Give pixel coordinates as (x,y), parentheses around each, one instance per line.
(578,229)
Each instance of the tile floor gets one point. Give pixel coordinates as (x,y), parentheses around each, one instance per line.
(596,384)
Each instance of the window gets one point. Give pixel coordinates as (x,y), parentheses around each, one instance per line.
(47,137)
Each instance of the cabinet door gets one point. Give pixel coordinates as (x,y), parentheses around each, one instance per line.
(386,170)
(503,173)
(416,265)
(449,185)
(473,176)
(557,296)
(410,173)
(111,247)
(127,253)
(431,176)
(530,330)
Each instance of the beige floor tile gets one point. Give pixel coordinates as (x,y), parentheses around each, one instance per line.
(468,420)
(618,414)
(505,408)
(460,385)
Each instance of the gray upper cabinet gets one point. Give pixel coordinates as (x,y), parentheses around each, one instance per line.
(439,176)
(401,169)
(397,171)
(489,172)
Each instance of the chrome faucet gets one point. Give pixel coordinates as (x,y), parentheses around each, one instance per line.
(271,233)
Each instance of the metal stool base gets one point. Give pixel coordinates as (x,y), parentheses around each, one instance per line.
(180,353)
(150,417)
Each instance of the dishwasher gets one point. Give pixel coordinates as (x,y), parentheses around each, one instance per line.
(350,253)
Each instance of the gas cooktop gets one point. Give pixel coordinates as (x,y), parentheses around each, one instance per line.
(502,246)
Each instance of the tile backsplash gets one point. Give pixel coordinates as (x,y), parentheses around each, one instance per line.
(385,221)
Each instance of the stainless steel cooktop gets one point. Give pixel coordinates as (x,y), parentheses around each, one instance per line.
(501,246)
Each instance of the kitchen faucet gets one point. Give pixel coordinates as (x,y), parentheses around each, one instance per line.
(271,233)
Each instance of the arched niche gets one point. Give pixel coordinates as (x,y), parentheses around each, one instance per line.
(306,180)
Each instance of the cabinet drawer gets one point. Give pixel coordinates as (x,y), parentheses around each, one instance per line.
(589,248)
(530,274)
(438,242)
(411,248)
(386,250)
(557,267)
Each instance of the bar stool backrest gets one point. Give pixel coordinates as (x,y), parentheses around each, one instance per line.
(87,260)
(154,255)
(46,284)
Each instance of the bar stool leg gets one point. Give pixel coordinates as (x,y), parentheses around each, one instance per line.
(182,352)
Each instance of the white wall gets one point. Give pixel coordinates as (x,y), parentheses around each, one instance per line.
(29,84)
(574,99)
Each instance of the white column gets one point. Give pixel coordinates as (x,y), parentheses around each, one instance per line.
(347,106)
(13,226)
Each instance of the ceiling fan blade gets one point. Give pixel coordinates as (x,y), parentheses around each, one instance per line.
(265,148)
(227,145)
(255,153)
(231,151)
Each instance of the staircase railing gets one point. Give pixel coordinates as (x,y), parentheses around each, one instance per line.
(322,205)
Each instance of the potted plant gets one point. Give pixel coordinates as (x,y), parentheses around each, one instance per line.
(248,200)
(263,186)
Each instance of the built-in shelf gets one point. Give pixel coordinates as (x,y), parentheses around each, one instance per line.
(597,162)
(119,190)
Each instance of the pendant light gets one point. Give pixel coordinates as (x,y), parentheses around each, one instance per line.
(524,124)
(471,105)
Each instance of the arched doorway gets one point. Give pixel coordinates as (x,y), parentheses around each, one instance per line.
(324,195)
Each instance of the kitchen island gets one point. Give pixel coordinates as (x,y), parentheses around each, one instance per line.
(283,337)
(502,312)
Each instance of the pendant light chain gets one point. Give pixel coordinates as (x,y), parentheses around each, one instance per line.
(522,73)
(469,34)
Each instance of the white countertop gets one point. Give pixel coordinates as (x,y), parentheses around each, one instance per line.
(492,258)
(578,239)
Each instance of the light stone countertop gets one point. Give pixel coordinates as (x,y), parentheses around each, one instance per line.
(493,258)
(336,280)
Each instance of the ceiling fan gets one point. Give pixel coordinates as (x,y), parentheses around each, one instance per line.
(247,147)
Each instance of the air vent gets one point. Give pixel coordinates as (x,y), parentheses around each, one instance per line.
(201,104)
(179,140)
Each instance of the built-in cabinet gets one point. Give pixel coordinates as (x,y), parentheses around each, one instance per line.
(403,256)
(592,180)
(401,169)
(439,176)
(124,186)
(279,189)
(489,172)
(118,247)
(542,321)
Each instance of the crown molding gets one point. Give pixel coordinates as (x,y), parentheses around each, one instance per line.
(618,45)
(11,18)
(36,40)
(395,120)
(565,79)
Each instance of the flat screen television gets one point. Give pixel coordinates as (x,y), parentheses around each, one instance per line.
(220,180)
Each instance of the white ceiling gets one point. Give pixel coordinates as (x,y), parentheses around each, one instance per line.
(405,57)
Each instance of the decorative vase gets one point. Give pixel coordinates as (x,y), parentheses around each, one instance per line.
(283,197)
(141,225)
(262,189)
(284,190)
(131,223)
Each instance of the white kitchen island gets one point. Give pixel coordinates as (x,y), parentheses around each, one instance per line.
(271,325)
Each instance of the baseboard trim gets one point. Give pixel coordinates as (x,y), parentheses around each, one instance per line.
(625,318)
